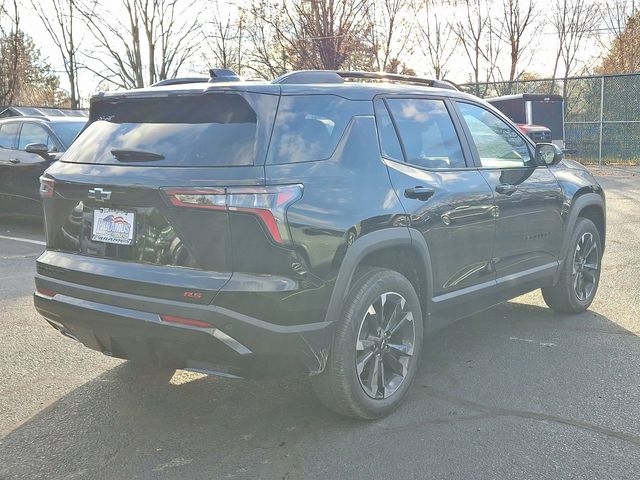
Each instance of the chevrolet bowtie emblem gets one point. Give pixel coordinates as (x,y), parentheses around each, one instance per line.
(99,195)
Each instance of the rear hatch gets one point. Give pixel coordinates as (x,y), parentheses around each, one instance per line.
(148,183)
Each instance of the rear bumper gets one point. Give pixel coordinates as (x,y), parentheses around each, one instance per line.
(129,326)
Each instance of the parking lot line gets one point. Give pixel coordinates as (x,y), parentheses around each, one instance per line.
(26,240)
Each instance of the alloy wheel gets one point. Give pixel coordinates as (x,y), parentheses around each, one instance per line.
(585,267)
(385,345)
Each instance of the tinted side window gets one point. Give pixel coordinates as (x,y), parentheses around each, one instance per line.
(67,131)
(389,143)
(497,142)
(309,127)
(8,133)
(427,132)
(31,133)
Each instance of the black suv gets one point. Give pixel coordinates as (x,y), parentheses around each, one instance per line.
(321,223)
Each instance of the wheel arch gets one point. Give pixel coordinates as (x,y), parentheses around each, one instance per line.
(401,249)
(585,204)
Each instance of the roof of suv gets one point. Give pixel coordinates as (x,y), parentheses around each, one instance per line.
(45,112)
(43,119)
(348,89)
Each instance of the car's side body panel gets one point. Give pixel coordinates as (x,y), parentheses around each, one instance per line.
(324,223)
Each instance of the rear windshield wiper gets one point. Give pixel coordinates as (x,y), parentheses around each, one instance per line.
(135,155)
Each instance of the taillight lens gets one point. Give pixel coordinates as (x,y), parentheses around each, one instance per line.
(267,203)
(209,198)
(47,186)
(185,321)
(45,292)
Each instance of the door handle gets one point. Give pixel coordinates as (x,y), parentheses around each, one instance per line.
(506,189)
(14,160)
(419,193)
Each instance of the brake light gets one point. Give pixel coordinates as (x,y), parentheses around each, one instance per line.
(45,292)
(269,204)
(185,321)
(47,186)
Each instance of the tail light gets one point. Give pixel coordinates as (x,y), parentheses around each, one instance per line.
(45,292)
(269,204)
(185,321)
(47,186)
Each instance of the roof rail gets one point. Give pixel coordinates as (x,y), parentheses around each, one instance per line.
(309,76)
(339,76)
(179,81)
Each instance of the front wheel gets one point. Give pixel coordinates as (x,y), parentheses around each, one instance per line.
(580,276)
(376,348)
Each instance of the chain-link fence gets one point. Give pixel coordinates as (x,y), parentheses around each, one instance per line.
(601,113)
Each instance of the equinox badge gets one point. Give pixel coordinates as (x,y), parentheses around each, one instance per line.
(99,195)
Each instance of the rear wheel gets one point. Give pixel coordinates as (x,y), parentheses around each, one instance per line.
(580,276)
(376,348)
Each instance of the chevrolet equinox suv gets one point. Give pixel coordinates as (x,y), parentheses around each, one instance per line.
(322,223)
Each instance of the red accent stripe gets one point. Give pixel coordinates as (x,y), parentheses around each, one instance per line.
(267,218)
(185,321)
(45,292)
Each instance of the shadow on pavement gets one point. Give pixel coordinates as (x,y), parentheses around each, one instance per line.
(502,394)
(25,227)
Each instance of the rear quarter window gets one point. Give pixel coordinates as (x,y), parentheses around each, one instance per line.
(309,127)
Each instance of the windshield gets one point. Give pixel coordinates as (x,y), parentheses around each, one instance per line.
(67,131)
(185,131)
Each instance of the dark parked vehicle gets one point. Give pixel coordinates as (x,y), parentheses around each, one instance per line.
(308,225)
(28,146)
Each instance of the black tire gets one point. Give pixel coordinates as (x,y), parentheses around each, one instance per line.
(567,296)
(340,387)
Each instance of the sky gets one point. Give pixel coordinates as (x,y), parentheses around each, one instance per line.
(541,63)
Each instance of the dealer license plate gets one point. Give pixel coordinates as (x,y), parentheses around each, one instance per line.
(113,226)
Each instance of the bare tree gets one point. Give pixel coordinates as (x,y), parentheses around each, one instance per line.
(624,54)
(477,36)
(326,33)
(223,36)
(616,14)
(435,36)
(515,24)
(308,34)
(161,30)
(60,27)
(574,21)
(25,78)
(9,53)
(615,18)
(390,33)
(267,46)
(3,14)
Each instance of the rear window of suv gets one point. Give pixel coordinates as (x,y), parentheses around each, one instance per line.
(185,131)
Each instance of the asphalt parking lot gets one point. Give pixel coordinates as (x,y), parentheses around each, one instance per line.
(516,392)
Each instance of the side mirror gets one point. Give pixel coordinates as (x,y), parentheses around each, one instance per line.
(38,148)
(548,154)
